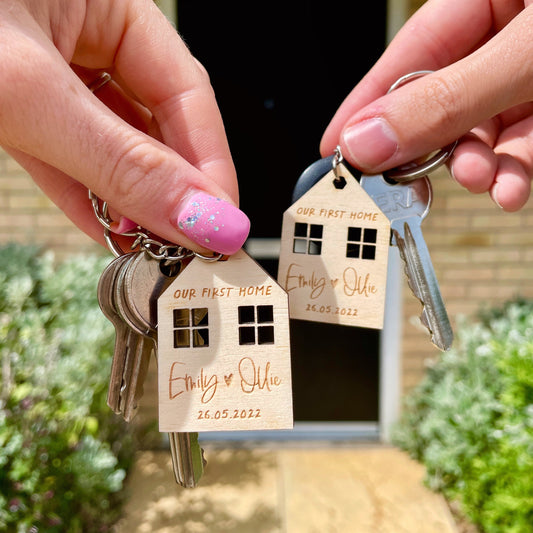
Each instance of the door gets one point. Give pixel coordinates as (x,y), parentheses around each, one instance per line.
(280,70)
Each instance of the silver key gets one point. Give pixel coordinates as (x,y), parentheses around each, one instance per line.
(406,205)
(143,283)
(123,334)
(138,357)
(188,459)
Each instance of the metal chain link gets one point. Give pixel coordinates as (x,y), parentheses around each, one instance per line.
(163,252)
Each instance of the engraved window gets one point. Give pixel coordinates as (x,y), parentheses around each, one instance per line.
(307,238)
(256,324)
(361,243)
(191,327)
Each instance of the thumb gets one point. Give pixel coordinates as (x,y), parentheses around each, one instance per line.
(433,111)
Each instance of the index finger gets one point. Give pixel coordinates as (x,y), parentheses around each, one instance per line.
(154,64)
(438,34)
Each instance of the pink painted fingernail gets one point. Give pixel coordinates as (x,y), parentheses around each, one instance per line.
(124,225)
(213,223)
(371,142)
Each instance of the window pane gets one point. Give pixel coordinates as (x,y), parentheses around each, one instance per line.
(316,231)
(246,314)
(315,247)
(371,235)
(247,335)
(352,250)
(369,252)
(300,229)
(265,335)
(182,338)
(300,246)
(354,234)
(200,337)
(200,316)
(181,318)
(265,313)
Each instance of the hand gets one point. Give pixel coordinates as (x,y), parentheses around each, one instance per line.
(481,91)
(151,142)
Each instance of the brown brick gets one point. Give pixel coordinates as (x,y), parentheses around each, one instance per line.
(472,239)
(13,166)
(519,237)
(497,220)
(455,220)
(449,257)
(527,254)
(493,293)
(518,271)
(452,291)
(468,202)
(468,273)
(32,202)
(18,183)
(496,254)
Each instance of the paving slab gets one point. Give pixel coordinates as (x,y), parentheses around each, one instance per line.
(372,490)
(295,489)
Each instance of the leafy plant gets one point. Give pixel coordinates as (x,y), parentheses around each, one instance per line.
(470,421)
(63,454)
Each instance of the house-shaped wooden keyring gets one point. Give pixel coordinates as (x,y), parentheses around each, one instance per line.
(224,349)
(334,254)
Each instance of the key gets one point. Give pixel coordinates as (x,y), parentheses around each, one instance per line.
(144,282)
(188,459)
(406,205)
(138,357)
(122,331)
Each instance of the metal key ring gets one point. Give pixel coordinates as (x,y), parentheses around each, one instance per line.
(413,171)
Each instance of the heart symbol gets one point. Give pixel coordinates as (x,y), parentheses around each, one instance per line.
(334,282)
(228,379)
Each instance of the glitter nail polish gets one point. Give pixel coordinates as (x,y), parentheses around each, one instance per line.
(213,223)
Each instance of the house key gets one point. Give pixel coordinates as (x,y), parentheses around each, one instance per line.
(124,336)
(406,205)
(137,359)
(144,282)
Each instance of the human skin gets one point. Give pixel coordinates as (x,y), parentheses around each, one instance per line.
(146,143)
(480,91)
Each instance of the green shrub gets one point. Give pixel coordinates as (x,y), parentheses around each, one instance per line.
(63,453)
(470,421)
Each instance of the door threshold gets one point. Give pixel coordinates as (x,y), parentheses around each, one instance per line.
(302,431)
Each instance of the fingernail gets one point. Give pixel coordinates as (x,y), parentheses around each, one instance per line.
(371,142)
(124,225)
(213,223)
(494,195)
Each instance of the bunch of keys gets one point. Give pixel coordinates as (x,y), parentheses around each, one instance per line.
(128,291)
(404,195)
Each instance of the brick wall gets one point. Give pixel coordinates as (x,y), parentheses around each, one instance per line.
(28,216)
(482,256)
